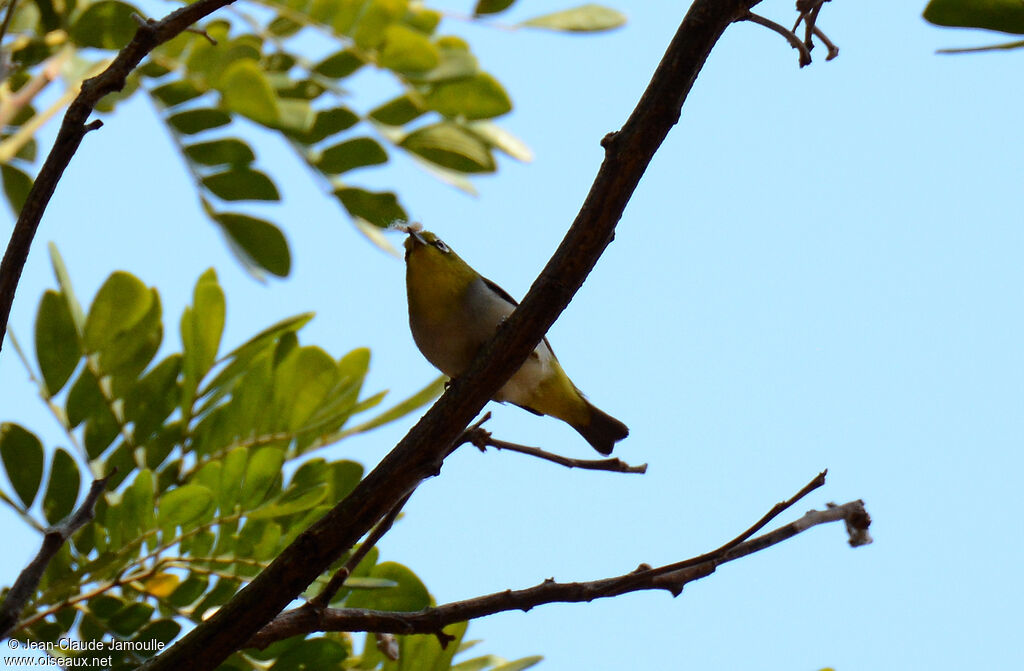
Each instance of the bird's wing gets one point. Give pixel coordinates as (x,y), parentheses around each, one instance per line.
(498,290)
(493,286)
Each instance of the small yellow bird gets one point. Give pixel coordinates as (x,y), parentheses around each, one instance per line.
(453,310)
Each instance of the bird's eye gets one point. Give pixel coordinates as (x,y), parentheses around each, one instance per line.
(441,246)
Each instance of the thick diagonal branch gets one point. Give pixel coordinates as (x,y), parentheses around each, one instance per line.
(150,35)
(302,621)
(420,454)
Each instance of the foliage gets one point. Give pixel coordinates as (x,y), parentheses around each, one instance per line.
(285,66)
(1005,16)
(215,469)
(213,453)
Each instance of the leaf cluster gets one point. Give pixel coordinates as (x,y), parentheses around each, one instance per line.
(214,471)
(285,67)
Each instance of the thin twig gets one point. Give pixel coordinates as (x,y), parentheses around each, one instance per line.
(55,537)
(482,439)
(794,41)
(833,50)
(776,510)
(808,14)
(7,18)
(301,621)
(323,599)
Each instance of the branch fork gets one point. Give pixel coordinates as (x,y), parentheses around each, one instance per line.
(808,15)
(671,577)
(482,439)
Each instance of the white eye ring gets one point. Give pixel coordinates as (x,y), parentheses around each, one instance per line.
(441,246)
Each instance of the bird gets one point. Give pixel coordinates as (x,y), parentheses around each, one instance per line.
(454,310)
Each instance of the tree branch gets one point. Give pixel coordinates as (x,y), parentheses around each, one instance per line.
(421,452)
(323,599)
(673,577)
(482,439)
(54,538)
(150,35)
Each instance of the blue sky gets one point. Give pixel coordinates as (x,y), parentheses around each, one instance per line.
(821,268)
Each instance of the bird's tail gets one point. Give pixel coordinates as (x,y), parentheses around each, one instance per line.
(602,431)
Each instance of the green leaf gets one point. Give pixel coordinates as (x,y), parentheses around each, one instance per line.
(1003,15)
(302,89)
(457,62)
(297,117)
(409,595)
(283,27)
(263,468)
(121,302)
(85,398)
(184,505)
(247,351)
(312,653)
(62,488)
(295,500)
(498,137)
(259,242)
(422,19)
(161,631)
(380,209)
(247,91)
(220,152)
(345,475)
(583,19)
(231,478)
(302,382)
(492,6)
(100,431)
(327,123)
(57,346)
(154,70)
(520,664)
(201,328)
(176,92)
(17,184)
(399,111)
(189,591)
(29,151)
(130,619)
(369,583)
(356,153)
(407,50)
(375,17)
(22,454)
(105,25)
(131,349)
(340,65)
(451,146)
(417,400)
(60,271)
(477,97)
(194,121)
(137,504)
(279,61)
(154,398)
(421,652)
(240,183)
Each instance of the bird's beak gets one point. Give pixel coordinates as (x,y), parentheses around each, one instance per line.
(414,240)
